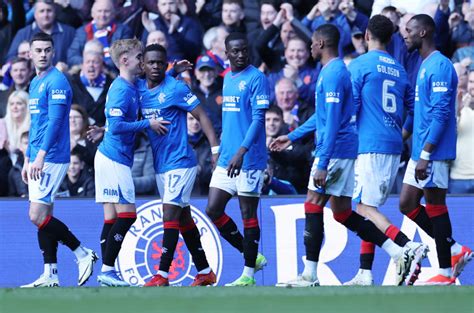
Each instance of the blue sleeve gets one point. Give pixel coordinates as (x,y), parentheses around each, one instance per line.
(185,99)
(257,125)
(58,110)
(28,151)
(442,90)
(308,127)
(335,96)
(357,79)
(306,22)
(409,101)
(74,54)
(115,110)
(259,102)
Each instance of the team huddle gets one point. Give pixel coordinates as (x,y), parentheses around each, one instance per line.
(364,112)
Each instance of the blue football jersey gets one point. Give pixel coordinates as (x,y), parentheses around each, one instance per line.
(121,113)
(435,108)
(335,120)
(381,91)
(245,97)
(50,98)
(169,101)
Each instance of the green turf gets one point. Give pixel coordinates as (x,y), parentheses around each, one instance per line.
(451,299)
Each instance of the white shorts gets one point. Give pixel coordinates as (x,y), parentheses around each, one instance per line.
(113,181)
(43,190)
(248,183)
(175,186)
(340,178)
(438,175)
(375,175)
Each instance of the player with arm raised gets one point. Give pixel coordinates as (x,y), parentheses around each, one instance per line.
(332,174)
(47,160)
(114,157)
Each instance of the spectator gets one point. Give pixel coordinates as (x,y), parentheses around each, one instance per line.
(462,27)
(462,71)
(66,13)
(183,33)
(78,126)
(463,54)
(17,119)
(291,165)
(405,6)
(209,12)
(21,75)
(91,84)
(233,16)
(295,112)
(157,37)
(143,172)
(78,181)
(16,186)
(9,29)
(214,44)
(202,148)
(298,68)
(462,170)
(45,21)
(208,88)
(5,162)
(103,28)
(272,42)
(342,14)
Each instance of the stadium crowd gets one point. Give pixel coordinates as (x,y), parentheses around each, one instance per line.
(279,33)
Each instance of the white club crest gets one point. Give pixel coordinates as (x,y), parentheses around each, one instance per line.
(161,97)
(41,87)
(242,85)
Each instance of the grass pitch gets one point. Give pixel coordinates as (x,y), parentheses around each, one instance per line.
(450,299)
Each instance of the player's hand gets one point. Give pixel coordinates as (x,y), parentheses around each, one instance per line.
(182,66)
(36,168)
(24,171)
(159,126)
(235,164)
(421,169)
(320,178)
(280,143)
(95,133)
(214,159)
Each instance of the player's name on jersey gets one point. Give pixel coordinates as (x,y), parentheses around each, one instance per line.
(388,70)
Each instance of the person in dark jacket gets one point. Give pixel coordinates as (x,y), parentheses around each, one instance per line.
(79,182)
(45,21)
(91,84)
(202,148)
(184,33)
(143,171)
(16,185)
(103,28)
(208,88)
(8,29)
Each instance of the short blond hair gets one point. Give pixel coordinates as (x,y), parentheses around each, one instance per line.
(120,47)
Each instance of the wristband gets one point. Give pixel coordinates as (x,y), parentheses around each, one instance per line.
(425,155)
(215,149)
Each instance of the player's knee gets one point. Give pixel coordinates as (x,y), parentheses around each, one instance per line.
(406,205)
(213,213)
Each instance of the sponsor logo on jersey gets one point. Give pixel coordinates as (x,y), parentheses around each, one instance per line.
(142,248)
(115,112)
